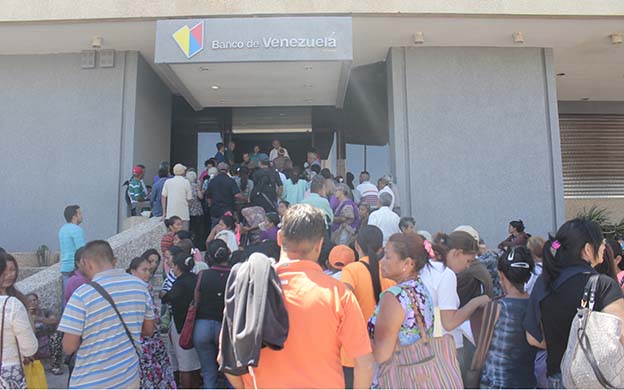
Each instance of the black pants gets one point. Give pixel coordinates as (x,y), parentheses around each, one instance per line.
(198,232)
(348,375)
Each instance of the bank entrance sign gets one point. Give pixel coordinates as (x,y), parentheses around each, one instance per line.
(254,39)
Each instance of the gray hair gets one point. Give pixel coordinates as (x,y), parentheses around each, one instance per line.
(318,184)
(385,199)
(344,189)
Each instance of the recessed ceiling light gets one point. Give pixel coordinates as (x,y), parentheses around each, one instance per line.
(282,114)
(204,68)
(518,37)
(215,87)
(309,100)
(308,86)
(308,67)
(560,74)
(585,99)
(617,38)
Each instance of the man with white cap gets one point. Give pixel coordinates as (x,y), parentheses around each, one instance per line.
(175,196)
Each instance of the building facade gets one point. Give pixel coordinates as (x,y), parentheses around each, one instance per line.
(483,113)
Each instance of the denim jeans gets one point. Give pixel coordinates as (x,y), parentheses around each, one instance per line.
(206,342)
(555,382)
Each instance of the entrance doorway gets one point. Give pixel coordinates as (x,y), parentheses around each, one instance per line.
(297,144)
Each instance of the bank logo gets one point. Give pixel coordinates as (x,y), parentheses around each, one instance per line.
(190,40)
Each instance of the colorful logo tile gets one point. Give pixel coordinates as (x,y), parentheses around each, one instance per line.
(190,40)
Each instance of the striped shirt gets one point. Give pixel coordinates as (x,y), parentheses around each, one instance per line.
(106,358)
(368,194)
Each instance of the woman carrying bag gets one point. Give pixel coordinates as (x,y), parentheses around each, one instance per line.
(17,338)
(569,259)
(402,326)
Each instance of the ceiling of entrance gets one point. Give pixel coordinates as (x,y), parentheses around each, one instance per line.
(593,67)
(267,83)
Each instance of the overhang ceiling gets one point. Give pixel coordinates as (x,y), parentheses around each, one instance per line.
(261,83)
(593,67)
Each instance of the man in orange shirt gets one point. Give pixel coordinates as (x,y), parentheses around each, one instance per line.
(323,316)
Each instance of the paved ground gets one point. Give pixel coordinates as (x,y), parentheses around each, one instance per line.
(57,381)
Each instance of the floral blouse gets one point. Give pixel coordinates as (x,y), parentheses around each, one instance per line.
(409,332)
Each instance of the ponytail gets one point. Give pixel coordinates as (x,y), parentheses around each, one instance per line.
(566,248)
(370,240)
(170,221)
(459,240)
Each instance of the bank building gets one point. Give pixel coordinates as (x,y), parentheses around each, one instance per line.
(483,111)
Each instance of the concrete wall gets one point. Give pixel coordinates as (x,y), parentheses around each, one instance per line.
(126,245)
(474,137)
(66,139)
(19,10)
(614,205)
(152,126)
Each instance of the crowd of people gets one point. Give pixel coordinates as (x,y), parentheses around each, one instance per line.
(289,277)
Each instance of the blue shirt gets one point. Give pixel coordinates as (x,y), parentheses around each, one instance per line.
(510,360)
(255,157)
(156,197)
(294,193)
(314,199)
(219,157)
(71,238)
(106,358)
(221,191)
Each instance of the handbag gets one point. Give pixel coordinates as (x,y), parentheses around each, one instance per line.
(344,235)
(429,363)
(11,377)
(490,316)
(186,336)
(35,375)
(594,357)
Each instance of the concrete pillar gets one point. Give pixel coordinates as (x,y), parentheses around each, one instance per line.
(474,138)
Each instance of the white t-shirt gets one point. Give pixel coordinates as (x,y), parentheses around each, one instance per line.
(441,282)
(229,237)
(389,191)
(275,153)
(386,220)
(178,192)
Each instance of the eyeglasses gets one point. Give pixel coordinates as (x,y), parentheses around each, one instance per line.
(520,264)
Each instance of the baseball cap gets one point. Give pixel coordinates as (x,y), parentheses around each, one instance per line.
(179,169)
(468,229)
(137,170)
(340,256)
(222,166)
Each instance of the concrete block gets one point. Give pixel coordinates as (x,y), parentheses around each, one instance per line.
(126,245)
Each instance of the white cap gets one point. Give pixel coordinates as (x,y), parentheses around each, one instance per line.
(425,234)
(468,229)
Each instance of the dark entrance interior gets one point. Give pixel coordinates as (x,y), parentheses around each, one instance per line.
(187,123)
(298,144)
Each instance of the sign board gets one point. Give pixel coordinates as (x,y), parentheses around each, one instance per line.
(254,39)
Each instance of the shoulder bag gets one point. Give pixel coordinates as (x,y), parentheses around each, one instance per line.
(186,336)
(429,363)
(594,357)
(108,298)
(11,377)
(489,319)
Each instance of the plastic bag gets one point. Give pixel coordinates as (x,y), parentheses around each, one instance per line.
(35,375)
